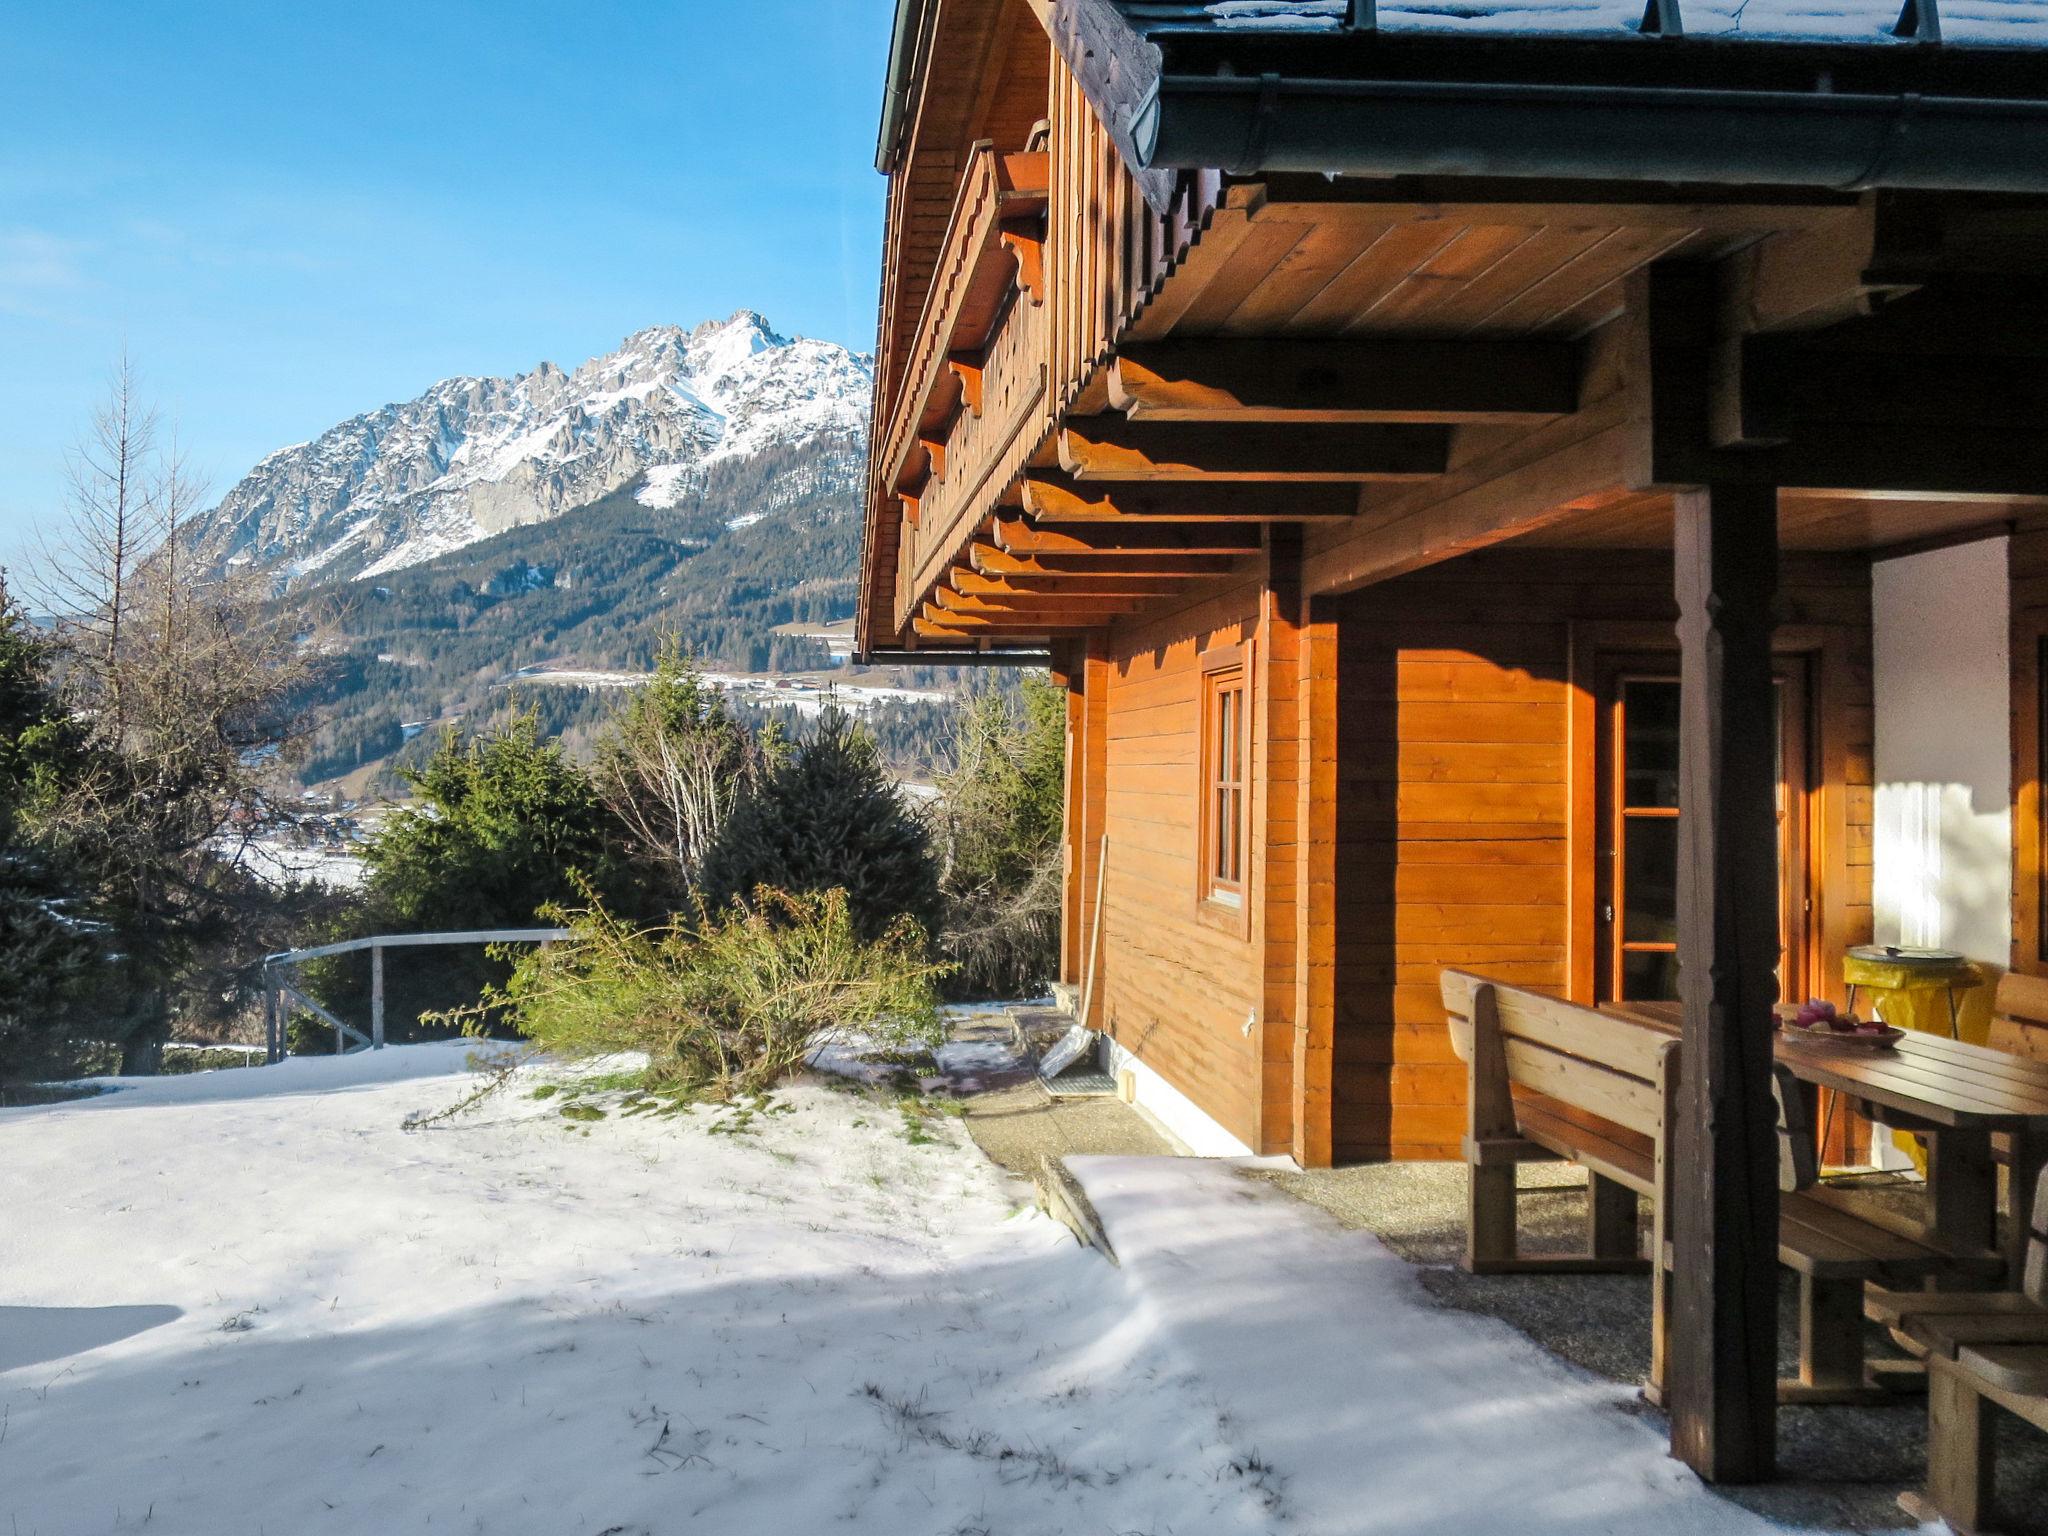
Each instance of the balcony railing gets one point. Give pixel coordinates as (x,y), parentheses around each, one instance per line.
(1048,256)
(990,252)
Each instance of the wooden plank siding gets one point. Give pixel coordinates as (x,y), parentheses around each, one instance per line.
(1458,822)
(1179,982)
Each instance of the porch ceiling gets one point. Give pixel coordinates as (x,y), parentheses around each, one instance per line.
(1811,521)
(1277,262)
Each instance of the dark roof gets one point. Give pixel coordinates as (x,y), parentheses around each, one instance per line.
(1808,93)
(1971,22)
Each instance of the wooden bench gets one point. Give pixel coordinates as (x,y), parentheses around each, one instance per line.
(1985,1352)
(1548,1079)
(2019,1025)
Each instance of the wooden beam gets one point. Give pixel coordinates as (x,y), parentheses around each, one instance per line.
(935,456)
(1020,536)
(1030,603)
(1065,584)
(1118,448)
(1055,498)
(1140,565)
(1858,414)
(930,629)
(1722,1384)
(1025,239)
(1278,380)
(982,623)
(1928,415)
(1804,279)
(967,368)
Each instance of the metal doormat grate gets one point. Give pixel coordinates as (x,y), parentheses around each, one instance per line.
(1082,1082)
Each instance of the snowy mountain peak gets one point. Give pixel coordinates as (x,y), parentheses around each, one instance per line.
(471,457)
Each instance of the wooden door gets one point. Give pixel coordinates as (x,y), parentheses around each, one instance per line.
(1637,890)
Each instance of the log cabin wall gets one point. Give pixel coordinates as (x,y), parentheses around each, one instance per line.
(1465,813)
(1178,980)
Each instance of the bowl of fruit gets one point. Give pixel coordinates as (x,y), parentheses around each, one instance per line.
(1819,1022)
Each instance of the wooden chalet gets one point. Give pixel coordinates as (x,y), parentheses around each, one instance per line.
(1567,506)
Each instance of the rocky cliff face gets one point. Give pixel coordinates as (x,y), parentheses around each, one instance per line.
(473,457)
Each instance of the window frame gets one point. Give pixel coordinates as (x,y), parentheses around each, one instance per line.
(1798,813)
(1224,804)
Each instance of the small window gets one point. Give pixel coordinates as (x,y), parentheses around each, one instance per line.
(1223,771)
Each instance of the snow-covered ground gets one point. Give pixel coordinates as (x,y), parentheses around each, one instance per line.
(251,1302)
(806,698)
(282,862)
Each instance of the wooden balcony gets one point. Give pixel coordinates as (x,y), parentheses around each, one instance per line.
(943,430)
(1049,255)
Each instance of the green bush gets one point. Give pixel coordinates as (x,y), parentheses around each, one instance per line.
(828,818)
(728,1005)
(503,824)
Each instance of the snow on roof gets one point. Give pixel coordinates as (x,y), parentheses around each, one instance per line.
(1996,22)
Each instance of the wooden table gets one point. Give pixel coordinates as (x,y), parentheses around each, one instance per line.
(1955,1094)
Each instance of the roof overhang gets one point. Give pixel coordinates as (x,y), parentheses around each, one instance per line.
(1694,109)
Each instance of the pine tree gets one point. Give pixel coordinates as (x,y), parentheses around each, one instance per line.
(49,949)
(827,818)
(503,824)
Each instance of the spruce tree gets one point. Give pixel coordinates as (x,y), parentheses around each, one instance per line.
(49,949)
(826,817)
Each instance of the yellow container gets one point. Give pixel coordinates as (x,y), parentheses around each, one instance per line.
(1919,989)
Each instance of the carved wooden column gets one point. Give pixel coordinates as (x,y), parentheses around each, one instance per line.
(1723,1361)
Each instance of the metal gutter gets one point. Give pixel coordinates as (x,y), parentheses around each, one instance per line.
(1849,141)
(903,41)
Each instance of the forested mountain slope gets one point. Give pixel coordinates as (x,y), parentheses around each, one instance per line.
(703,484)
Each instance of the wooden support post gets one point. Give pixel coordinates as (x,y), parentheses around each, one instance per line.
(1275,863)
(1315,981)
(1068,666)
(1670,1101)
(1612,1213)
(1830,1341)
(1490,1224)
(1293,858)
(1724,1225)
(1962,1197)
(376,997)
(1087,773)
(1961,1454)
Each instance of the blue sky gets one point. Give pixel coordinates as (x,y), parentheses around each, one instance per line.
(290,213)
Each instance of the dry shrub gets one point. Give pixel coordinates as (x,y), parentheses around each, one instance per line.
(727,1003)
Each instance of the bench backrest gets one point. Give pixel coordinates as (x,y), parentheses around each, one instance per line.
(1604,1065)
(2020,1024)
(1589,1060)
